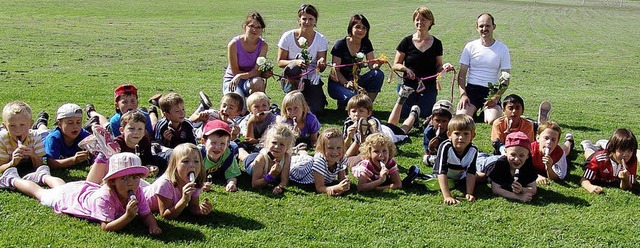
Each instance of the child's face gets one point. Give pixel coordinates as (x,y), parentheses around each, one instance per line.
(133,132)
(277,146)
(175,114)
(516,155)
(512,110)
(461,138)
(259,107)
(18,125)
(379,153)
(123,184)
(126,103)
(70,126)
(188,164)
(229,108)
(440,121)
(294,109)
(215,146)
(334,150)
(548,138)
(622,154)
(357,113)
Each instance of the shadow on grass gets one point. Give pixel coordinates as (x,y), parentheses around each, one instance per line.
(218,219)
(579,128)
(170,232)
(546,197)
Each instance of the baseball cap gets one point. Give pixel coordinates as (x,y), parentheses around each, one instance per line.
(517,139)
(215,125)
(444,105)
(125,89)
(68,110)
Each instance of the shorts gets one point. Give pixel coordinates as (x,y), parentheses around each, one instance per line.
(248,162)
(477,95)
(485,162)
(242,88)
(51,196)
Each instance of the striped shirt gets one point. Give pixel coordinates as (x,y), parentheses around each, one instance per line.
(454,165)
(321,166)
(602,168)
(9,144)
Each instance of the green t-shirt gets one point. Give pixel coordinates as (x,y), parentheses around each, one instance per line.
(231,172)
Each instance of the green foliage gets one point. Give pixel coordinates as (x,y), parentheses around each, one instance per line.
(581,58)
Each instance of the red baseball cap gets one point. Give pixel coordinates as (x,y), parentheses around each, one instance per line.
(215,125)
(517,139)
(125,89)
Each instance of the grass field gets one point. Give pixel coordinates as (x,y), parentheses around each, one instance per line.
(581,58)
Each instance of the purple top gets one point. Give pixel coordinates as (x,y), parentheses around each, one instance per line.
(163,187)
(246,60)
(311,125)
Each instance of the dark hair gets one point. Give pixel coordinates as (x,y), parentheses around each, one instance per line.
(623,139)
(355,19)
(514,99)
(493,21)
(254,16)
(443,113)
(308,9)
(236,98)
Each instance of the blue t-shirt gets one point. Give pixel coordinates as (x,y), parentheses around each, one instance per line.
(55,147)
(114,124)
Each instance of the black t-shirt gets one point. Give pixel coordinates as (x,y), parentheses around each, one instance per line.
(501,173)
(423,64)
(341,50)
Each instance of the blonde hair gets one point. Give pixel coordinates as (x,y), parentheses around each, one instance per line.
(294,97)
(376,139)
(167,101)
(181,151)
(280,130)
(550,125)
(256,97)
(325,136)
(461,123)
(14,108)
(426,13)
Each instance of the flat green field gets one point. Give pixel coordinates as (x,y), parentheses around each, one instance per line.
(583,58)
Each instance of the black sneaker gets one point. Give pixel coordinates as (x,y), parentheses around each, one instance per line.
(204,100)
(154,99)
(496,146)
(88,108)
(153,109)
(274,109)
(412,174)
(43,118)
(87,126)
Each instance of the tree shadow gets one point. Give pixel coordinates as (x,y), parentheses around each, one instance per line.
(546,197)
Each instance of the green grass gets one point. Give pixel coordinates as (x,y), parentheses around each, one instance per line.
(581,58)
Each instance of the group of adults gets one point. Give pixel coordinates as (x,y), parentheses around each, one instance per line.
(418,56)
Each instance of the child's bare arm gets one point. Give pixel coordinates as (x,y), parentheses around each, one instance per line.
(471,185)
(396,182)
(585,183)
(121,222)
(314,139)
(79,157)
(444,188)
(498,190)
(150,221)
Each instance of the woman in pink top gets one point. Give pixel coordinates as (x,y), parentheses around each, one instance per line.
(242,75)
(114,203)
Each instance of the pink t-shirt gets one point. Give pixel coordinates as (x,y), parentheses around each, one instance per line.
(366,168)
(163,187)
(88,200)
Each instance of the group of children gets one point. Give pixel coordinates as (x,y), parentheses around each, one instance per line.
(271,146)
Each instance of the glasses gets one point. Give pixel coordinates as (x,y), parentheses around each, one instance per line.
(255,27)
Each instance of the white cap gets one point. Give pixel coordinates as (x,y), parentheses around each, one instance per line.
(68,110)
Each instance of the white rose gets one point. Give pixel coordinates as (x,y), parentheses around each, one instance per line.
(302,41)
(261,60)
(360,55)
(505,75)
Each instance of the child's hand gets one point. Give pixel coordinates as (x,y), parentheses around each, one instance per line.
(203,116)
(345,185)
(168,134)
(470,197)
(517,187)
(596,190)
(187,190)
(207,187)
(433,144)
(351,130)
(154,230)
(542,180)
(547,161)
(383,173)
(231,187)
(278,190)
(275,169)
(25,151)
(80,156)
(16,157)
(624,174)
(132,208)
(525,197)
(450,200)
(206,207)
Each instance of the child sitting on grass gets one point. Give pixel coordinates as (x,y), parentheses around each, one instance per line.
(61,145)
(272,164)
(114,204)
(378,169)
(256,123)
(219,154)
(513,176)
(21,148)
(327,169)
(231,106)
(180,186)
(510,121)
(295,112)
(616,163)
(435,131)
(173,129)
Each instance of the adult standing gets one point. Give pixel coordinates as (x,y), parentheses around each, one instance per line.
(346,51)
(290,48)
(481,62)
(242,75)
(419,55)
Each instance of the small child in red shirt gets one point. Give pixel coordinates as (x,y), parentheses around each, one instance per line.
(615,163)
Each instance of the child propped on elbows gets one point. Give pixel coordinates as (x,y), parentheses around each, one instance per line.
(173,129)
(616,163)
(378,169)
(513,176)
(549,158)
(180,186)
(231,106)
(435,131)
(61,145)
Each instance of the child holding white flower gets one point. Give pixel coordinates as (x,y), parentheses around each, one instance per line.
(243,75)
(356,47)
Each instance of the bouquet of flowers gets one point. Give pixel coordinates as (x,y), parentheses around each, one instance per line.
(501,85)
(265,67)
(304,53)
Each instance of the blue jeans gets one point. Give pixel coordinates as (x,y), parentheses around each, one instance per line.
(425,100)
(371,81)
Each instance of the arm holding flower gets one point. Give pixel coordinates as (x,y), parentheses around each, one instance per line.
(502,84)
(232,57)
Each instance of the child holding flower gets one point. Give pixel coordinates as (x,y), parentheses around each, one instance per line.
(243,75)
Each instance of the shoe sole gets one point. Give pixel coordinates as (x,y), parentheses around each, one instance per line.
(204,99)
(543,112)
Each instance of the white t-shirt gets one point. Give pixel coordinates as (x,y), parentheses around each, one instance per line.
(485,63)
(287,42)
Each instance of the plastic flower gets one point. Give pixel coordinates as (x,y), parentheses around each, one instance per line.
(302,41)
(261,60)
(504,76)
(360,55)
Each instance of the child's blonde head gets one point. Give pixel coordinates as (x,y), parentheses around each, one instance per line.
(360,101)
(294,97)
(256,97)
(376,140)
(180,152)
(324,138)
(550,125)
(167,101)
(14,108)
(132,116)
(279,131)
(624,140)
(461,123)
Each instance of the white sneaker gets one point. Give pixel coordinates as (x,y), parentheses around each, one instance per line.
(425,159)
(405,91)
(543,112)
(7,176)
(602,144)
(415,109)
(587,144)
(38,175)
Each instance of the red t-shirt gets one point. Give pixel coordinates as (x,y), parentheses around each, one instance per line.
(602,168)
(536,157)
